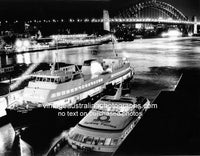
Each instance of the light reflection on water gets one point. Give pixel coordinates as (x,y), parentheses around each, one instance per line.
(74,55)
(142,53)
(166,56)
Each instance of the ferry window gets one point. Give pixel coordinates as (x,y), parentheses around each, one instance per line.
(72,90)
(58,93)
(83,86)
(84,139)
(63,92)
(56,80)
(76,89)
(95,141)
(53,95)
(107,142)
(80,137)
(33,78)
(68,91)
(88,84)
(71,136)
(114,142)
(40,79)
(48,79)
(89,140)
(75,137)
(79,87)
(44,79)
(101,141)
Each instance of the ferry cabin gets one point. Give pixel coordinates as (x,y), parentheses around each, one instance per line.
(101,132)
(66,86)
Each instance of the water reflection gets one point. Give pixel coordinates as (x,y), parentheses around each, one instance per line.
(142,53)
(74,55)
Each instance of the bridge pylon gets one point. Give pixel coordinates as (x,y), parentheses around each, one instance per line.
(106,20)
(195,25)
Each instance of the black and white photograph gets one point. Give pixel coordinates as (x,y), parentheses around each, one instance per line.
(99,77)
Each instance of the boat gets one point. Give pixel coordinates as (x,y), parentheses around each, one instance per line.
(68,85)
(108,124)
(60,88)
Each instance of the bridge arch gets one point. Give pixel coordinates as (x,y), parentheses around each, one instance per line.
(164,7)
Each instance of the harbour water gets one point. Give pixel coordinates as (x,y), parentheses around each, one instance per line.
(158,65)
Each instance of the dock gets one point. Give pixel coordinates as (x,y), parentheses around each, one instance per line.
(172,128)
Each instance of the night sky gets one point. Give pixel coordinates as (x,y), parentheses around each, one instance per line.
(26,9)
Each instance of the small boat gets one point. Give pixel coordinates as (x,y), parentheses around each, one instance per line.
(108,124)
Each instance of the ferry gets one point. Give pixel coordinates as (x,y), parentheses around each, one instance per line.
(108,124)
(65,86)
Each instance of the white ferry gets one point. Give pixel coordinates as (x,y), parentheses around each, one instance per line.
(66,86)
(107,125)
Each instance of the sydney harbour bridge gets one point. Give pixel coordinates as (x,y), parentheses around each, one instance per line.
(153,12)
